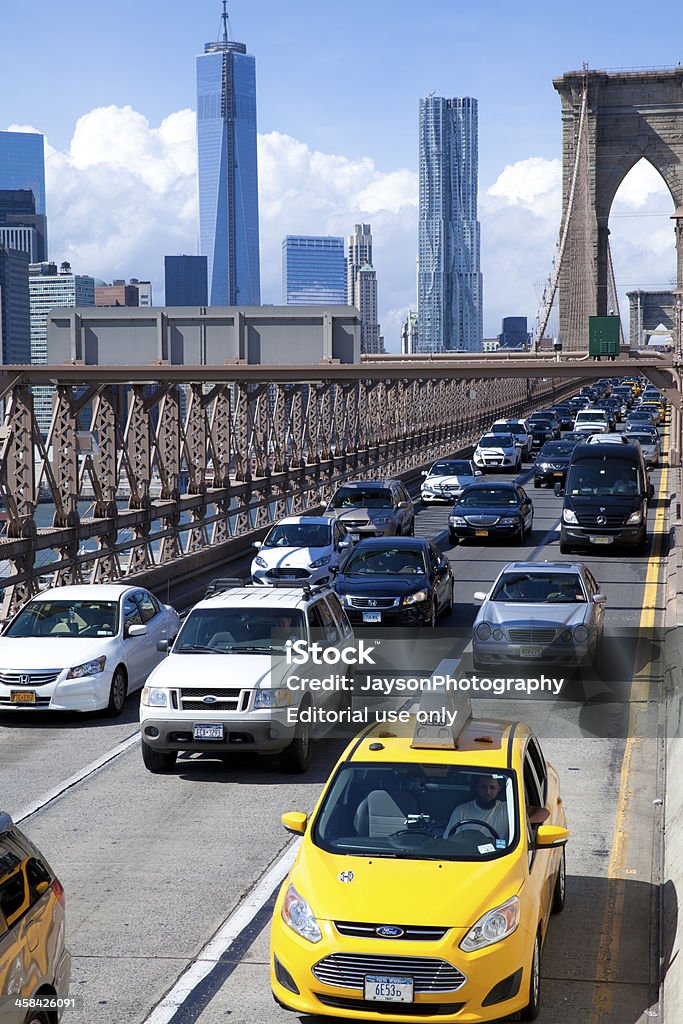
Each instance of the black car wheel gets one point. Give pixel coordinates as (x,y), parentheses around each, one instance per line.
(537,483)
(295,758)
(117,694)
(521,534)
(157,761)
(533,1007)
(453,537)
(411,528)
(37,1017)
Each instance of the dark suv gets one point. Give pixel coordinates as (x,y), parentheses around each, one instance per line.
(34,963)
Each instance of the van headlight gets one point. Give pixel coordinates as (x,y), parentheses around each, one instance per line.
(634,518)
(154,697)
(299,916)
(492,927)
(569,516)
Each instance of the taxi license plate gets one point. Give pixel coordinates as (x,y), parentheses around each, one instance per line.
(22,696)
(372,616)
(208,732)
(481,533)
(530,652)
(383,989)
(601,540)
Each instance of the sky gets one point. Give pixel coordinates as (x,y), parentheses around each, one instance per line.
(112,87)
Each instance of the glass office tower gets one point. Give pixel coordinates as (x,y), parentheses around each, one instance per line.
(449,277)
(313,271)
(228,172)
(22,164)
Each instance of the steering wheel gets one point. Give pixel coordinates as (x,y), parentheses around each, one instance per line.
(470,821)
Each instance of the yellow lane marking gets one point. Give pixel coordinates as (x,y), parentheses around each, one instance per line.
(607,964)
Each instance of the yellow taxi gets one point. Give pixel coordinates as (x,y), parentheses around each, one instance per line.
(426,877)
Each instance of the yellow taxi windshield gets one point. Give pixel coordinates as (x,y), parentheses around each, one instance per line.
(418,811)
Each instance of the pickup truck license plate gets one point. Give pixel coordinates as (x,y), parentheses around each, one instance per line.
(601,540)
(22,696)
(372,616)
(530,652)
(212,731)
(383,989)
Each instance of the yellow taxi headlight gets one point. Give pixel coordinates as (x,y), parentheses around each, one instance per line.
(299,916)
(495,925)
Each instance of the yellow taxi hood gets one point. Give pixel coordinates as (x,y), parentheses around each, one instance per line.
(385,890)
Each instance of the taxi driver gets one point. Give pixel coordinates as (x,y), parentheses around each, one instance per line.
(488,807)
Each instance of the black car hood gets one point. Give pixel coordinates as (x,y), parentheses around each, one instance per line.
(615,504)
(381,584)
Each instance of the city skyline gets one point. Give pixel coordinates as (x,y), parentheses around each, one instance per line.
(324,160)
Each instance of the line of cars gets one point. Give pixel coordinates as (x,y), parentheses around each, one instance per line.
(333,952)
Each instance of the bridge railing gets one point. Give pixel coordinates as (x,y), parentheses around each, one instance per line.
(173,461)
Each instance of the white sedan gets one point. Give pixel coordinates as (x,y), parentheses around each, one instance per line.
(82,648)
(497,451)
(447,479)
(305,548)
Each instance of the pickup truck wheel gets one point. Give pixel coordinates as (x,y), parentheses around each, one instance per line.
(117,694)
(295,758)
(157,761)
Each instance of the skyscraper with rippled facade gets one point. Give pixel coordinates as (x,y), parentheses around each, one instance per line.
(228,172)
(449,278)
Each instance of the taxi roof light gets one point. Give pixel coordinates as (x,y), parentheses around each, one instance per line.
(444,711)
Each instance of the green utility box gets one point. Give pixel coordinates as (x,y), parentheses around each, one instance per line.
(604,336)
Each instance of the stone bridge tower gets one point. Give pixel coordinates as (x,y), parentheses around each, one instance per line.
(628,115)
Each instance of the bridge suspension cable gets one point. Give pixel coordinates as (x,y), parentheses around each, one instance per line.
(550,290)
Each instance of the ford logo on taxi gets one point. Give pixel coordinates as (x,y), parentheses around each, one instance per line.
(389,931)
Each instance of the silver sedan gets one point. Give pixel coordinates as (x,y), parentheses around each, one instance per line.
(546,612)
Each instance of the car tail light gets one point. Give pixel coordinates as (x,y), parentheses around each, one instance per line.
(58,890)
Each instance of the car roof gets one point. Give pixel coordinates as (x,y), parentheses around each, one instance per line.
(294,520)
(261,597)
(487,742)
(367,483)
(380,543)
(627,452)
(532,567)
(86,592)
(481,485)
(496,437)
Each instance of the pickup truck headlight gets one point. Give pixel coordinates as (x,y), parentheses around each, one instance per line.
(299,916)
(279,697)
(88,668)
(569,516)
(153,697)
(421,595)
(492,927)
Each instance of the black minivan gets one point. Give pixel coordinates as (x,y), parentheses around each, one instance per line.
(606,496)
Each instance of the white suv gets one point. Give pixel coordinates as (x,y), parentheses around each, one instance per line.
(591,421)
(497,451)
(227,686)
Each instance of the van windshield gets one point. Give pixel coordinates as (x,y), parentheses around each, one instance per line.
(604,476)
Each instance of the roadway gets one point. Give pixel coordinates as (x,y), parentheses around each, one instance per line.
(154,866)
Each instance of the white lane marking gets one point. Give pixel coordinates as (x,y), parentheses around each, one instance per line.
(73,780)
(223,939)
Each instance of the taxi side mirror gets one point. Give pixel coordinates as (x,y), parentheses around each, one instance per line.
(42,887)
(551,836)
(295,822)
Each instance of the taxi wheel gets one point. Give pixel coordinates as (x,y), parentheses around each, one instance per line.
(560,890)
(295,758)
(533,1007)
(37,1017)
(117,694)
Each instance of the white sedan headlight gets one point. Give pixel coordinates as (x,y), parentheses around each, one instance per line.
(320,562)
(154,697)
(261,562)
(88,668)
(299,916)
(493,926)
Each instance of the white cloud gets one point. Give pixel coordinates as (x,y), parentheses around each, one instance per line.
(124,194)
